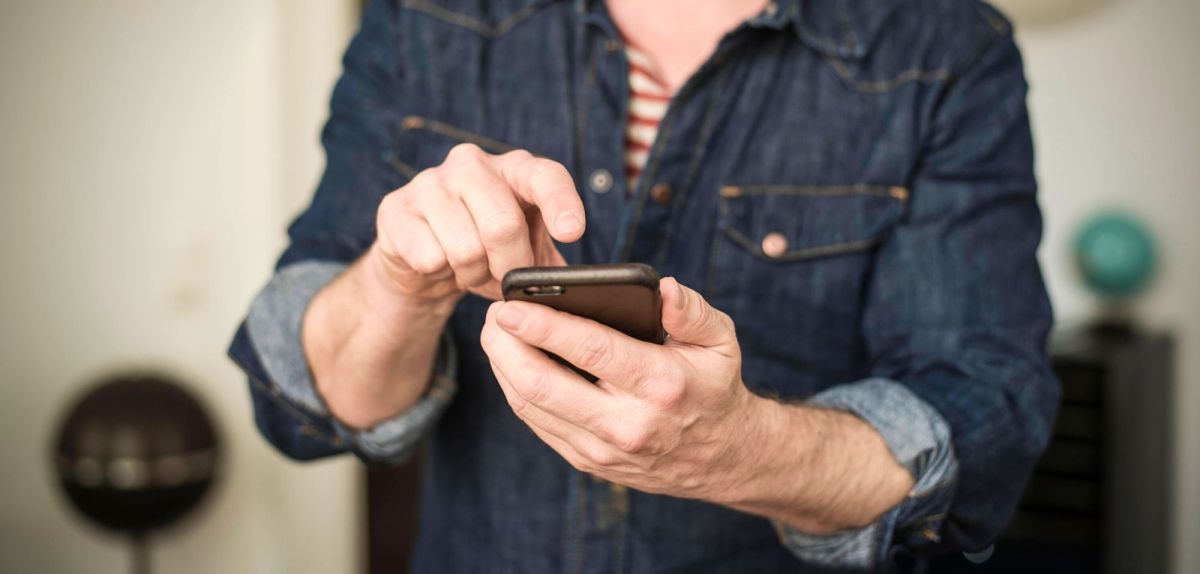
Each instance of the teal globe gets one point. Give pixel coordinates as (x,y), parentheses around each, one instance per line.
(1115,255)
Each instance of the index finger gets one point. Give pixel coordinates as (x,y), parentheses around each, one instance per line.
(542,385)
(612,356)
(546,185)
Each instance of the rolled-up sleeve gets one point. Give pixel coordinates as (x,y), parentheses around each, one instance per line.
(273,329)
(366,113)
(919,438)
(955,324)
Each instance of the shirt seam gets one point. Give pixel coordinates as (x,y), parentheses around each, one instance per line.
(474,24)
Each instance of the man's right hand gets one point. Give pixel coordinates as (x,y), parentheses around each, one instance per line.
(460,226)
(372,334)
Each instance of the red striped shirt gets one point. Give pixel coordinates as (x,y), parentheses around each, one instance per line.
(649,97)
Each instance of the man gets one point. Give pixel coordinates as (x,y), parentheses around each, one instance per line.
(842,196)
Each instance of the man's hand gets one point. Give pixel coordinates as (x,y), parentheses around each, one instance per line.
(462,225)
(661,418)
(371,335)
(677,419)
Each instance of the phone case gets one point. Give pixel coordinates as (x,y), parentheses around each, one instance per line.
(623,296)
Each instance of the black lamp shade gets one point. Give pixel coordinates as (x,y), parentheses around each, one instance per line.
(136,453)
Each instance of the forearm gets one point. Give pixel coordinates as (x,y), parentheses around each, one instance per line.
(371,347)
(816,470)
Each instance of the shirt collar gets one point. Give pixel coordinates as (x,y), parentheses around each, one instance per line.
(830,27)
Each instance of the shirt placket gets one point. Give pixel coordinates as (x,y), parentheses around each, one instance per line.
(598,511)
(634,225)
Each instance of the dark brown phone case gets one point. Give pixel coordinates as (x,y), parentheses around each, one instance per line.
(623,296)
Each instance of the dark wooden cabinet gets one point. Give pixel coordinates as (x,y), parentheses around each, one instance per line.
(392,511)
(1099,499)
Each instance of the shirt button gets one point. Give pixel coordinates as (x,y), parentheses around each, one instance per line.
(981,556)
(771,9)
(661,193)
(774,244)
(600,181)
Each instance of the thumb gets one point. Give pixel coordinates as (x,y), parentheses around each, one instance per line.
(689,319)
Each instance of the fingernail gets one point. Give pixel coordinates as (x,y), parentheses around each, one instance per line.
(567,223)
(679,295)
(510,317)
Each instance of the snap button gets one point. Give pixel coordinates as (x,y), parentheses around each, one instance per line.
(981,556)
(661,193)
(600,181)
(774,244)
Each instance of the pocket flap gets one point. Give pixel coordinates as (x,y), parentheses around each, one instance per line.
(788,223)
(426,141)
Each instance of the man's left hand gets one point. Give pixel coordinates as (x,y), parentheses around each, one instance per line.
(667,419)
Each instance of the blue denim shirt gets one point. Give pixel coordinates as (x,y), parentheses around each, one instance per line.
(887,141)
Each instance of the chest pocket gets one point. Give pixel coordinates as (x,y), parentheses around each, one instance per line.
(790,265)
(795,223)
(424,143)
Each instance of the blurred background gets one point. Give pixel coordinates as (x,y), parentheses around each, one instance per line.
(154,152)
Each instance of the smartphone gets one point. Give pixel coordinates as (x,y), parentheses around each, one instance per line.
(623,296)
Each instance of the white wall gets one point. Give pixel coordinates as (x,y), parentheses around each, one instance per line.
(154,150)
(143,194)
(1116,110)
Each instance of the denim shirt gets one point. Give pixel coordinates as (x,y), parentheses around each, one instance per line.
(885,142)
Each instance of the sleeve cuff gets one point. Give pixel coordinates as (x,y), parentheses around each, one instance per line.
(920,440)
(394,440)
(274,325)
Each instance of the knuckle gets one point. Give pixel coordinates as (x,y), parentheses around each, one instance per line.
(631,442)
(392,208)
(426,263)
(517,155)
(725,319)
(670,395)
(542,170)
(579,462)
(608,431)
(486,337)
(386,241)
(704,312)
(519,406)
(465,253)
(474,279)
(389,251)
(423,193)
(424,180)
(595,353)
(537,390)
(465,153)
(600,457)
(668,390)
(389,206)
(503,228)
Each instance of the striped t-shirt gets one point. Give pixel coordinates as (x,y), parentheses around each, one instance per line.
(648,100)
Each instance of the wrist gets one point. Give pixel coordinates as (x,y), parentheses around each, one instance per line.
(765,452)
(778,454)
(371,347)
(817,470)
(394,294)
